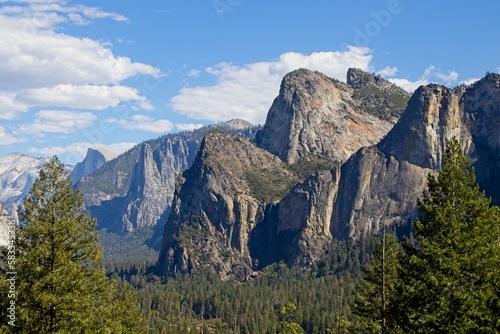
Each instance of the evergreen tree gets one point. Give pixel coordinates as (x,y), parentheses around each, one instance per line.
(61,287)
(290,326)
(377,289)
(450,280)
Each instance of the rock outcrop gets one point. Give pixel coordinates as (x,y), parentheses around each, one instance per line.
(377,185)
(481,106)
(94,159)
(217,204)
(18,172)
(136,189)
(317,117)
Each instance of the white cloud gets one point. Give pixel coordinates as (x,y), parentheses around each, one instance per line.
(7,138)
(143,123)
(187,126)
(82,97)
(76,152)
(9,107)
(35,58)
(247,91)
(58,121)
(388,71)
(194,73)
(469,81)
(431,74)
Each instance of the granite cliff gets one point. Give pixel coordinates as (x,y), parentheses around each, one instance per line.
(316,117)
(94,159)
(218,203)
(135,189)
(378,182)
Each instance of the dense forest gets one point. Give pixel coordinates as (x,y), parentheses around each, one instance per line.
(443,277)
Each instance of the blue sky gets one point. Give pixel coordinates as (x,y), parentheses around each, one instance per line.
(111,74)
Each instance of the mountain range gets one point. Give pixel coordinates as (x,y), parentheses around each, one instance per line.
(333,160)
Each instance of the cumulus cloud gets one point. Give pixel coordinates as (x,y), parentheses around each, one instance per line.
(469,81)
(58,121)
(246,91)
(82,97)
(431,74)
(37,62)
(387,71)
(187,126)
(143,123)
(9,106)
(7,138)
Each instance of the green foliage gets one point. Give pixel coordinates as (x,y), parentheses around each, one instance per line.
(268,185)
(60,287)
(321,294)
(450,281)
(288,320)
(377,289)
(310,165)
(396,100)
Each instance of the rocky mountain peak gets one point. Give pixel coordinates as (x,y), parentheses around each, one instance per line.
(235,124)
(420,136)
(357,78)
(94,159)
(316,117)
(217,204)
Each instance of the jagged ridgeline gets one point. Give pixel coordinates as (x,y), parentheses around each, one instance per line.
(229,210)
(135,190)
(235,209)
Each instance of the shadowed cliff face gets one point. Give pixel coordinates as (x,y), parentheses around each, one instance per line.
(481,105)
(376,185)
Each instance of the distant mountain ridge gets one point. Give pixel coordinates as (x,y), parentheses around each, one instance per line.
(136,189)
(94,159)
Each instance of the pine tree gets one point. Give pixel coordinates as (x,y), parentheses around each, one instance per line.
(450,280)
(377,289)
(61,287)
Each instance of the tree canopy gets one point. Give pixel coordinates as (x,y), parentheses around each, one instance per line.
(449,280)
(60,286)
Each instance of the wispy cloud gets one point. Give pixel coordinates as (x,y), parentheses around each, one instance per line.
(8,138)
(57,121)
(187,126)
(143,123)
(431,74)
(247,91)
(76,152)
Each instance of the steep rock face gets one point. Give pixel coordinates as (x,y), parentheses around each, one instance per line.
(18,172)
(136,189)
(303,219)
(153,179)
(317,117)
(94,159)
(380,184)
(432,117)
(217,203)
(375,189)
(481,105)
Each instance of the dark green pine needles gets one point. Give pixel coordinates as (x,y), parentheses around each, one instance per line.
(61,287)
